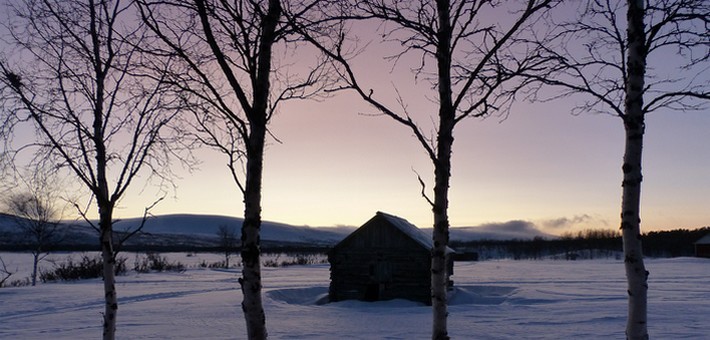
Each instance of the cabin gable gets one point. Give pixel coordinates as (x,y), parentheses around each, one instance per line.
(381,260)
(702,246)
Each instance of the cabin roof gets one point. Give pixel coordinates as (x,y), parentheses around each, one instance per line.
(704,240)
(408,229)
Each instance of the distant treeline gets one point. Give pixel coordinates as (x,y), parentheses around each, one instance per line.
(587,244)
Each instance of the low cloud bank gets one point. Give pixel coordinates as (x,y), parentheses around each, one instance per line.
(511,230)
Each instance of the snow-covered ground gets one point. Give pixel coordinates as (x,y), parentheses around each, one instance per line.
(493,300)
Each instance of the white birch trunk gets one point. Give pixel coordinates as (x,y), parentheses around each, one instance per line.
(250,281)
(439,282)
(251,250)
(636,274)
(35,264)
(109,273)
(102,190)
(442,176)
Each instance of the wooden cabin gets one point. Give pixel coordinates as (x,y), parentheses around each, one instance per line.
(386,258)
(702,246)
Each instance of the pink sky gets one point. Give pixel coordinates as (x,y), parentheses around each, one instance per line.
(541,164)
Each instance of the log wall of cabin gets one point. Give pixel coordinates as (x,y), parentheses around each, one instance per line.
(383,256)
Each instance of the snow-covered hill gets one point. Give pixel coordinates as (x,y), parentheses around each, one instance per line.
(207,225)
(183,229)
(201,231)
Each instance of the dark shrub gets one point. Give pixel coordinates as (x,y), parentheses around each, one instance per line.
(155,262)
(87,268)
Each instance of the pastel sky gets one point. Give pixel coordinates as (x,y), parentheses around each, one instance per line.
(336,166)
(541,164)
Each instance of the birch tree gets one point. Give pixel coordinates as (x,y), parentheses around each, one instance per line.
(470,52)
(227,242)
(597,60)
(76,82)
(233,81)
(37,213)
(5,273)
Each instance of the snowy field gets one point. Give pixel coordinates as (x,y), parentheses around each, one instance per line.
(493,300)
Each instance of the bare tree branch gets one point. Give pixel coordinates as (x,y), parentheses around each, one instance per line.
(589,57)
(423,192)
(230,80)
(139,229)
(80,81)
(36,212)
(472,63)
(616,72)
(5,273)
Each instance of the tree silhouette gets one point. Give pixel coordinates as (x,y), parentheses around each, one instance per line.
(79,80)
(594,58)
(37,213)
(5,273)
(227,75)
(227,242)
(470,57)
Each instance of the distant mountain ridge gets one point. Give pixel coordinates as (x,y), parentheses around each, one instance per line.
(201,231)
(193,224)
(207,225)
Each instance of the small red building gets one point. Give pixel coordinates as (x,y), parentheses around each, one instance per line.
(702,246)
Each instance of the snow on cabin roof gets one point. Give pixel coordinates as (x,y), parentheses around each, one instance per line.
(411,230)
(704,240)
